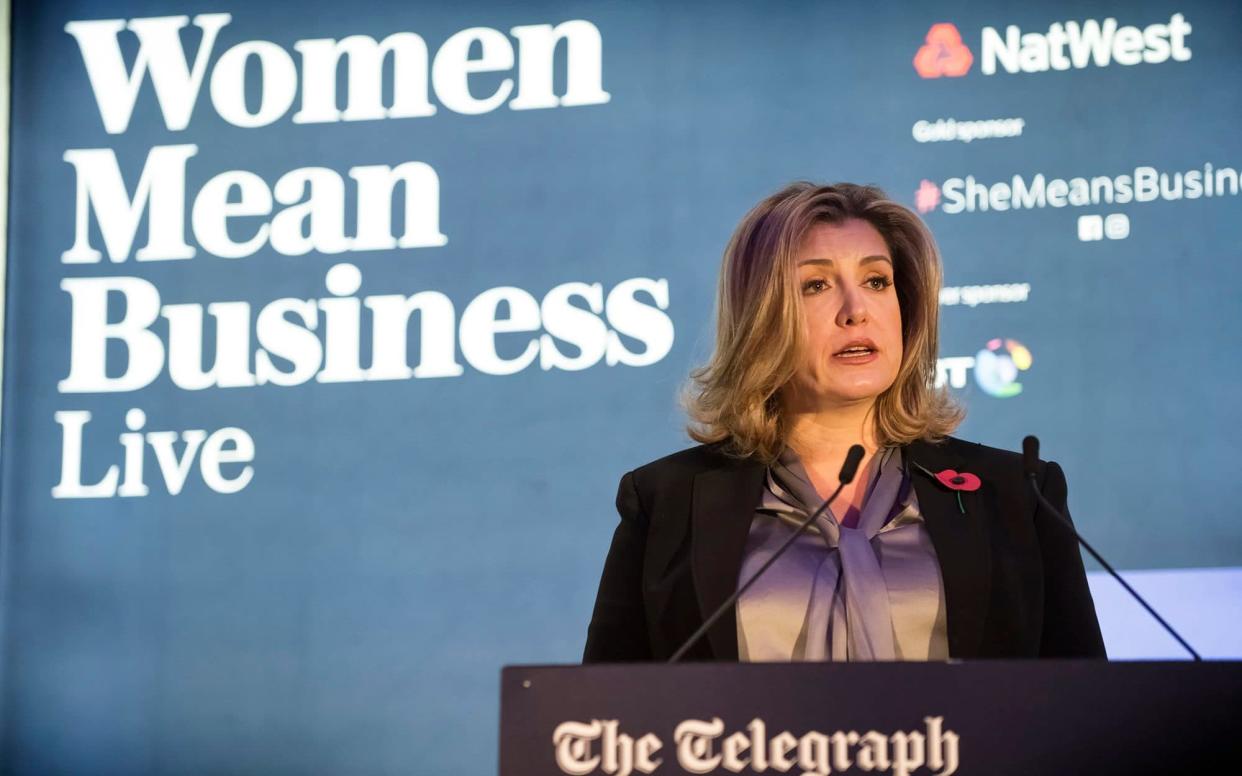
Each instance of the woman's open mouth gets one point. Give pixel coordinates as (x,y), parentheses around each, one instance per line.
(857,353)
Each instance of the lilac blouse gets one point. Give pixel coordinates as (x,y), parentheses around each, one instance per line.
(871,592)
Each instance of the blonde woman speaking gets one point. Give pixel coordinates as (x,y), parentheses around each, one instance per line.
(827,337)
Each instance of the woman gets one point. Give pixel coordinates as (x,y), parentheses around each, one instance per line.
(827,337)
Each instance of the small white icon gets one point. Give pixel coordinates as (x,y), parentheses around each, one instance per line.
(1090,228)
(1115,226)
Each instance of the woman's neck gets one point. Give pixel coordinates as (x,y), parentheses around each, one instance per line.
(822,438)
(826,435)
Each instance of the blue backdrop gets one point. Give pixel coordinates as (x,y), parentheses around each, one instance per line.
(328,525)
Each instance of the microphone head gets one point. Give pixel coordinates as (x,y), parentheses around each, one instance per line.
(853,457)
(1030,456)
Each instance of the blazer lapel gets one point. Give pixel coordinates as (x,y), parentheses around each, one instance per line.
(962,546)
(722,507)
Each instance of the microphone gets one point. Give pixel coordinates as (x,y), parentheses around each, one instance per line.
(852,458)
(1030,469)
(1030,457)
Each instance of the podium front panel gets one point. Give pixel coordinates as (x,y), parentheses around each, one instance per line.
(987,717)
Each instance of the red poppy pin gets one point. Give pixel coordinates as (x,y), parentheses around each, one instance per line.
(955,481)
(958,480)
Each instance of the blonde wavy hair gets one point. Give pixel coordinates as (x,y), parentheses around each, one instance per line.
(736,397)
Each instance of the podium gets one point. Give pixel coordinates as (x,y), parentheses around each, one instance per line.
(998,717)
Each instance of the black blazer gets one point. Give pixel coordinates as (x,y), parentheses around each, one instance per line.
(1014,582)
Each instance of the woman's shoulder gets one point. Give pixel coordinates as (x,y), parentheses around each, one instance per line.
(681,467)
(691,460)
(967,448)
(716,455)
(664,487)
(977,456)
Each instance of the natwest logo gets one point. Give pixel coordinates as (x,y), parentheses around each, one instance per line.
(1066,45)
(1071,45)
(943,53)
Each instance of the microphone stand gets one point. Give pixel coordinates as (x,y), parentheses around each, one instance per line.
(1030,451)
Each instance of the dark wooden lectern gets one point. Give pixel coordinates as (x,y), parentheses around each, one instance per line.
(988,717)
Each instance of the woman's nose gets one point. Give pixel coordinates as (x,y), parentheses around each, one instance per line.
(853,309)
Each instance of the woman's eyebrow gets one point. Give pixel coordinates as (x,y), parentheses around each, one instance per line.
(862,261)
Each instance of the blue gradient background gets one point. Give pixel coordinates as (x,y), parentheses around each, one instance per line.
(349,611)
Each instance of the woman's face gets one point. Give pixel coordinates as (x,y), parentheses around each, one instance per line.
(851,317)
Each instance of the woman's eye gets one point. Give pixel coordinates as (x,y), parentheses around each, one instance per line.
(879,282)
(813,286)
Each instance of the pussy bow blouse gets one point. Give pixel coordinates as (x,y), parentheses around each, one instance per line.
(871,591)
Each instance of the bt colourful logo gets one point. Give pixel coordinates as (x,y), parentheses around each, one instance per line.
(997,367)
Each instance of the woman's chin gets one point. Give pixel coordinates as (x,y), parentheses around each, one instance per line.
(856,392)
(859,389)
